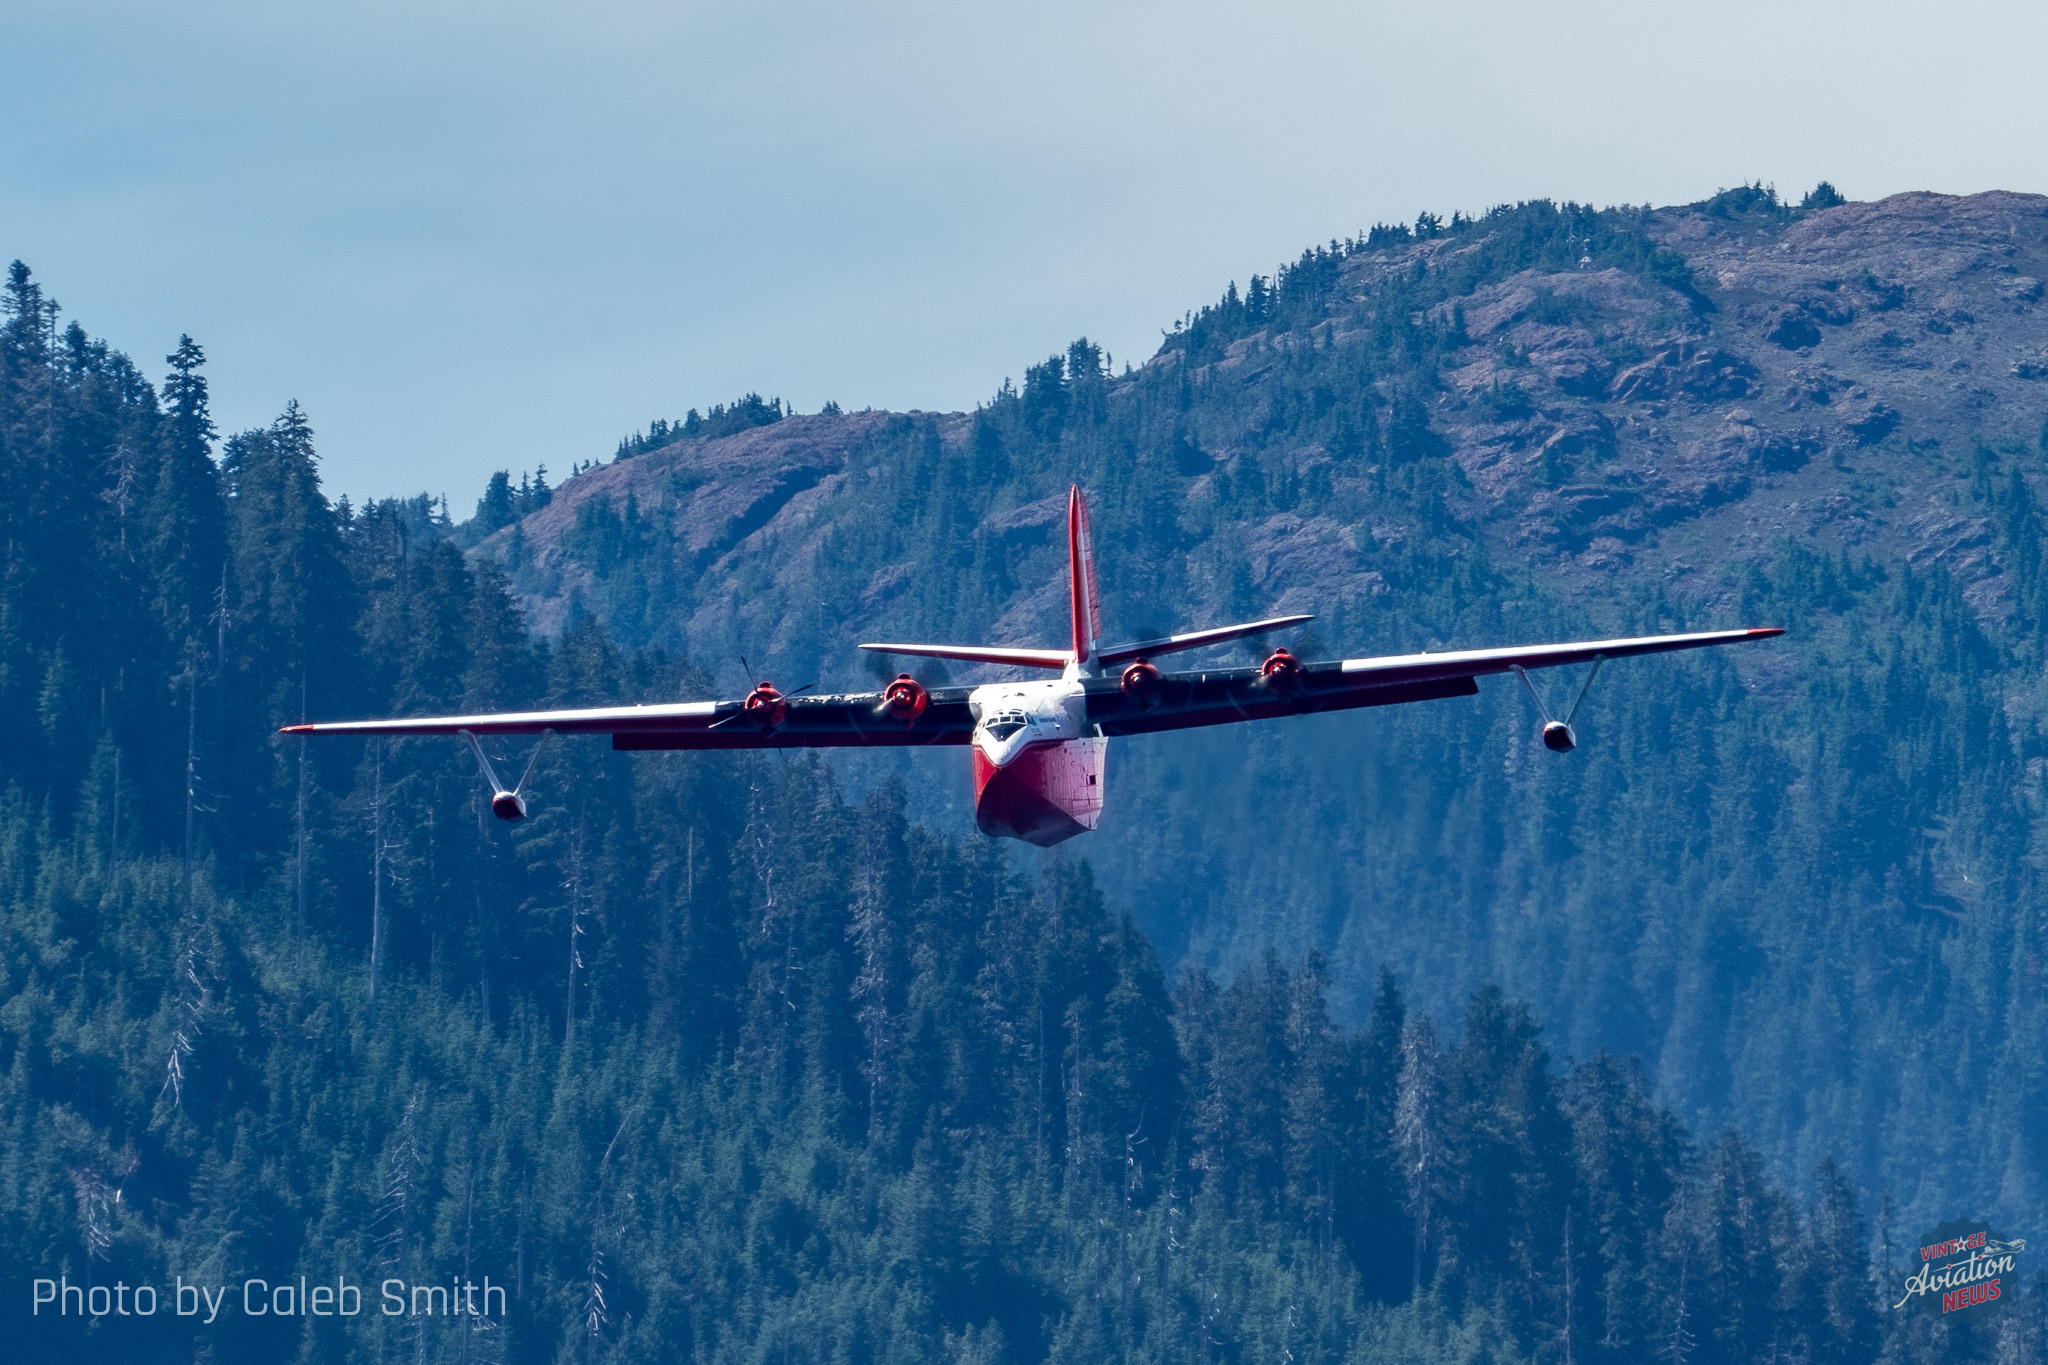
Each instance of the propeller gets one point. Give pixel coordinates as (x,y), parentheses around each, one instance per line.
(904,699)
(507,805)
(764,705)
(1281,671)
(749,668)
(1141,681)
(929,674)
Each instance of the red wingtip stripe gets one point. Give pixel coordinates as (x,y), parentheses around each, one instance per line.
(1765,632)
(295,730)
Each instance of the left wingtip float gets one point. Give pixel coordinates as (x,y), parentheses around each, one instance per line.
(1039,745)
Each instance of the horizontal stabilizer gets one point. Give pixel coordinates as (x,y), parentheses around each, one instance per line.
(1195,639)
(983,654)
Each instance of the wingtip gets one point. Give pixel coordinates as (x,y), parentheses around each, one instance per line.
(1765,632)
(295,730)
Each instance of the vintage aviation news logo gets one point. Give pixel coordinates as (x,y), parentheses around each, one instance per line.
(1962,1267)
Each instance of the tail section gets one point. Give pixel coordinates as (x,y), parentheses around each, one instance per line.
(1087,603)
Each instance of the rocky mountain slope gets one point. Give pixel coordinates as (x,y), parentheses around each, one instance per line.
(1821,385)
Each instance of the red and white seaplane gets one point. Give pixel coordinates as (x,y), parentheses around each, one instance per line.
(1039,745)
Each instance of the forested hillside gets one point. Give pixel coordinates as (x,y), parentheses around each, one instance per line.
(726,1058)
(1799,880)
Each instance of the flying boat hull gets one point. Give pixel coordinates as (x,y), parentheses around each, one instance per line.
(1046,794)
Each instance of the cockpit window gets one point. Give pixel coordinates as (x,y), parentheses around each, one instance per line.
(1004,728)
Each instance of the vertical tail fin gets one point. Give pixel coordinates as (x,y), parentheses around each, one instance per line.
(1087,605)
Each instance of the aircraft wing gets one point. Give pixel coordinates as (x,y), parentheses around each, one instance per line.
(1221,696)
(1182,700)
(810,722)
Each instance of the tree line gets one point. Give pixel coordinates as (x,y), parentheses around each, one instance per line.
(709,1060)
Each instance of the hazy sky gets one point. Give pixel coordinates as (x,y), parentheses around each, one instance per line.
(478,236)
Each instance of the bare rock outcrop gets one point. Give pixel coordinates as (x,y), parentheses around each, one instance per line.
(1823,380)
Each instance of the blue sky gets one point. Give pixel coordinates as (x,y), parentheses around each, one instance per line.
(469,237)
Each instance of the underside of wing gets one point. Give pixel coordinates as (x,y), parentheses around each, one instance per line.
(1184,701)
(852,720)
(1179,701)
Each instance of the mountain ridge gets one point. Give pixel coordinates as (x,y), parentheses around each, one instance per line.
(1599,426)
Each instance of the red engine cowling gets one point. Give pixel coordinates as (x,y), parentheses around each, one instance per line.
(905,699)
(765,706)
(1141,683)
(1281,670)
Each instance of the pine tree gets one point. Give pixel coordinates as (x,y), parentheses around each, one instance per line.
(1419,1139)
(498,507)
(1743,1230)
(1832,1312)
(188,540)
(1370,1215)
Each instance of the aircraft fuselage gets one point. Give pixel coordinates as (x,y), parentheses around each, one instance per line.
(1038,762)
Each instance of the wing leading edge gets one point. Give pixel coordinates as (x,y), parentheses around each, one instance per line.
(847,720)
(1474,663)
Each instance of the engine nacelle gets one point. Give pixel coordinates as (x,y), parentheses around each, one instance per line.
(765,706)
(905,699)
(1141,683)
(1558,737)
(508,806)
(1281,670)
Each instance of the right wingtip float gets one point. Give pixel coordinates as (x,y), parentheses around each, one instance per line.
(1038,745)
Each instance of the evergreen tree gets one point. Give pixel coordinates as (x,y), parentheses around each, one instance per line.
(187,545)
(710,1061)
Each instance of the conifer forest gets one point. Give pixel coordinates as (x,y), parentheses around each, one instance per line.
(1669,1051)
